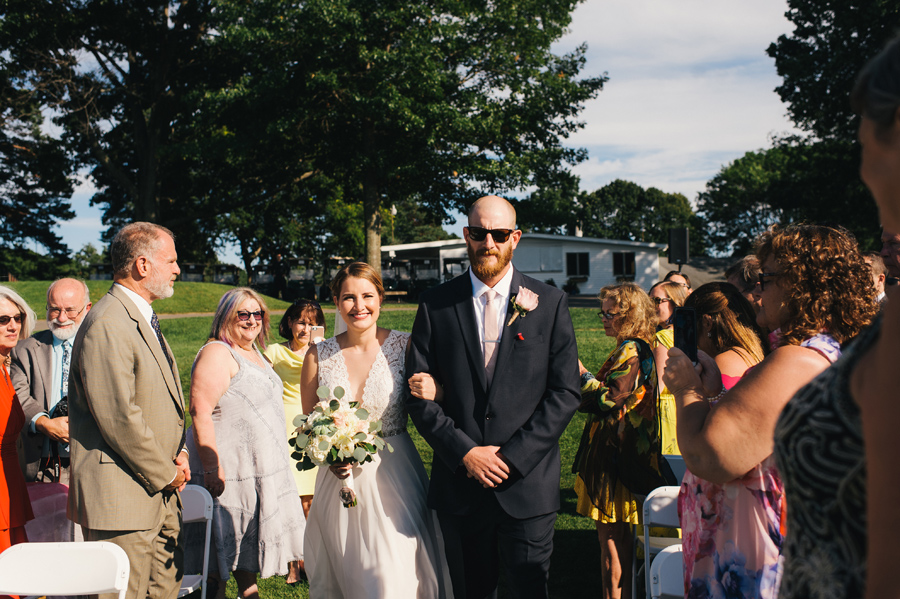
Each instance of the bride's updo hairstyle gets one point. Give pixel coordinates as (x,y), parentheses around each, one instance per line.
(357,270)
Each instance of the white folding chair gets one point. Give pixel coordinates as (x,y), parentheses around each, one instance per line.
(667,574)
(197,506)
(676,463)
(78,569)
(660,509)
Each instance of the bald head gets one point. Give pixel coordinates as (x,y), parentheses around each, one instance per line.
(68,301)
(494,209)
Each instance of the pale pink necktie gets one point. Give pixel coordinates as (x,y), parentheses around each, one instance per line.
(491,333)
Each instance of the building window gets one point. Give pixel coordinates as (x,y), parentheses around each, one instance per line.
(623,265)
(577,264)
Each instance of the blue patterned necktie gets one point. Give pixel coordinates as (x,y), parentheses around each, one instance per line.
(154,322)
(66,358)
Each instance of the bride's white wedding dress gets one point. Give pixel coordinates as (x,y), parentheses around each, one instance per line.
(389,544)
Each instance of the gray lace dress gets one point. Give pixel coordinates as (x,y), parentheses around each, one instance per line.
(389,545)
(258,521)
(821,456)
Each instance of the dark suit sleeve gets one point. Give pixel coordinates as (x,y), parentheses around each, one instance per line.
(22,369)
(541,433)
(450,444)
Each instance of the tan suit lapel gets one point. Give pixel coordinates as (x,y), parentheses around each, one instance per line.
(173,384)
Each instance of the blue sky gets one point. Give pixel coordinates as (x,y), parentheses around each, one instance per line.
(690,89)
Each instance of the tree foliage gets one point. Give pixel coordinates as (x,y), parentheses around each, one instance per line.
(35,175)
(625,210)
(819,60)
(792,181)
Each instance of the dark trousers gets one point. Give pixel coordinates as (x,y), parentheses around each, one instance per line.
(479,544)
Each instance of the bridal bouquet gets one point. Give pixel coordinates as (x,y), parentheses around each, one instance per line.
(337,432)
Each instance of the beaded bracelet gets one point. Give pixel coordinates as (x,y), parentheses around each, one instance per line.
(716,398)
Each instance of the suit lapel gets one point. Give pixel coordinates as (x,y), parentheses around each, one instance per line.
(465,313)
(153,344)
(508,334)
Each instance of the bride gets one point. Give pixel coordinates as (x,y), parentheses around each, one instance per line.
(389,544)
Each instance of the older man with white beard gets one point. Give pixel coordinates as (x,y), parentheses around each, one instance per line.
(40,374)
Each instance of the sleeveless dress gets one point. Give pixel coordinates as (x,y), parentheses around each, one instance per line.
(667,427)
(15,506)
(258,520)
(389,544)
(733,532)
(287,365)
(820,452)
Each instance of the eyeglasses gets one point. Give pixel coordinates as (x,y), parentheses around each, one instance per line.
(661,300)
(244,316)
(70,312)
(4,320)
(607,315)
(480,233)
(763,276)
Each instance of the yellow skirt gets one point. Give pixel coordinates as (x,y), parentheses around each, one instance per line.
(623,507)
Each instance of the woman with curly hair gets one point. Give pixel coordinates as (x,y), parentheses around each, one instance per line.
(613,445)
(816,294)
(844,424)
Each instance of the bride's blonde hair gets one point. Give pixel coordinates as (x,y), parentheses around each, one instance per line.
(357,270)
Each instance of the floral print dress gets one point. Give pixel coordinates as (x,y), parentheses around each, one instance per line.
(621,402)
(733,533)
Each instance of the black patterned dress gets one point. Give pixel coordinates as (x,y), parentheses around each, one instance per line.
(820,454)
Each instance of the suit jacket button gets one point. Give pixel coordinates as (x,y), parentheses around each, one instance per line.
(488,416)
(181,423)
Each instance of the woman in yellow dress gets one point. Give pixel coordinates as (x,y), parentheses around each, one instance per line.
(287,360)
(620,444)
(667,295)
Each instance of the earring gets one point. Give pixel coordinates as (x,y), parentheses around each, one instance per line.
(709,334)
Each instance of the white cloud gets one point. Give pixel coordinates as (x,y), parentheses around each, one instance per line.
(690,88)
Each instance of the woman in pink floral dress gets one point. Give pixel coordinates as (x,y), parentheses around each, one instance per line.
(813,289)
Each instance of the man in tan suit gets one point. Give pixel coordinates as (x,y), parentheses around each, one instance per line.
(126,417)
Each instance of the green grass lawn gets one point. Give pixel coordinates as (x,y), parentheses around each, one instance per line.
(189,297)
(575,569)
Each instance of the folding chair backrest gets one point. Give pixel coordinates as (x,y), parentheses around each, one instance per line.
(197,506)
(661,507)
(77,569)
(676,463)
(667,574)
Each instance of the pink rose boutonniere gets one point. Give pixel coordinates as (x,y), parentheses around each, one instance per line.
(523,302)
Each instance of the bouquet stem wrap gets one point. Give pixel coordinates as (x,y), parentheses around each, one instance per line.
(347,494)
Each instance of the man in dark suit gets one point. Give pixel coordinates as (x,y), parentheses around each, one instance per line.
(126,417)
(508,370)
(40,374)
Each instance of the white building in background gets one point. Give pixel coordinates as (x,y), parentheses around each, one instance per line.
(590,263)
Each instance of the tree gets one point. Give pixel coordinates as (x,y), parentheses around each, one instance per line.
(625,210)
(113,75)
(35,175)
(820,59)
(792,181)
(392,100)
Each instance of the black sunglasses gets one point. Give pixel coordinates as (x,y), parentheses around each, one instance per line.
(607,315)
(243,315)
(763,276)
(480,233)
(661,300)
(4,320)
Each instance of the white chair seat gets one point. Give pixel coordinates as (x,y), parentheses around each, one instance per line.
(190,583)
